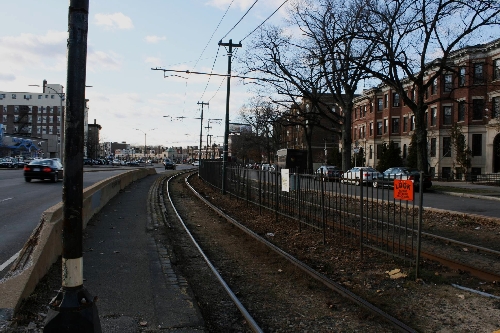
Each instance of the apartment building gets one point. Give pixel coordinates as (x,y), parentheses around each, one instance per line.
(468,95)
(28,117)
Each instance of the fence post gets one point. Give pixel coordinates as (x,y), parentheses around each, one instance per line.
(420,214)
(276,204)
(323,218)
(361,216)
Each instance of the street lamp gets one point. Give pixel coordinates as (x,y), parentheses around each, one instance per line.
(145,139)
(61,131)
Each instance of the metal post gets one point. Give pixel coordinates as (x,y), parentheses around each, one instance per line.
(420,216)
(73,309)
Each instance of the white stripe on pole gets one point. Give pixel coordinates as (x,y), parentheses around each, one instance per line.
(72,272)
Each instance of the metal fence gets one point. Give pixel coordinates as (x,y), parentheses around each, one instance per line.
(366,216)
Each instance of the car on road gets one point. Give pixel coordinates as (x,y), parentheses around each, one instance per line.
(388,176)
(355,174)
(328,173)
(6,163)
(43,169)
(196,163)
(169,164)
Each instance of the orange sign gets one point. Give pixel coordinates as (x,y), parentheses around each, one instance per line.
(403,189)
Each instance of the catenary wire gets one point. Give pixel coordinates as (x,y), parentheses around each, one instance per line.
(240,19)
(265,20)
(213,34)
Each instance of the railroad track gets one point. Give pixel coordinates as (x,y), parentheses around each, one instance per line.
(270,277)
(477,260)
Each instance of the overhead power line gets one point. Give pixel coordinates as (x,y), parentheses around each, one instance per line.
(240,19)
(265,20)
(213,34)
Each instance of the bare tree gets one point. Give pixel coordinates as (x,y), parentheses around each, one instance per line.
(287,70)
(330,28)
(415,40)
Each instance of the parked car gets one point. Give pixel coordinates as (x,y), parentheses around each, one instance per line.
(388,176)
(265,167)
(328,173)
(169,164)
(196,163)
(43,169)
(116,162)
(133,163)
(354,175)
(88,161)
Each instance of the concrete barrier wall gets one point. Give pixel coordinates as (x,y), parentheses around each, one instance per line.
(44,246)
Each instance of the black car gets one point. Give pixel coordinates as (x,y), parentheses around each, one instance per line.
(169,164)
(402,173)
(43,169)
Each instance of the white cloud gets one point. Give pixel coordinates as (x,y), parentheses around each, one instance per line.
(114,21)
(29,50)
(101,60)
(154,61)
(154,39)
(7,77)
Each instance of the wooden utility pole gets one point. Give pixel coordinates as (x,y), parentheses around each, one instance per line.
(201,129)
(226,129)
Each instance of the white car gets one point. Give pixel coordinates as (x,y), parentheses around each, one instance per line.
(196,163)
(354,175)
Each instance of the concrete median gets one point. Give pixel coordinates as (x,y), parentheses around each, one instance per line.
(44,246)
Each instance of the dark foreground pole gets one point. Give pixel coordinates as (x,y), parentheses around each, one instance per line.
(73,309)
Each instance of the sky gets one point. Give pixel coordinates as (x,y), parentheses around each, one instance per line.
(126,39)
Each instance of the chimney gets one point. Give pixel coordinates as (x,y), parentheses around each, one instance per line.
(44,85)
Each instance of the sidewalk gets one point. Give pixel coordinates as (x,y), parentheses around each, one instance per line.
(126,264)
(466,189)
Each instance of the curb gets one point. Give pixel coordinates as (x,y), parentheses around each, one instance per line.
(44,246)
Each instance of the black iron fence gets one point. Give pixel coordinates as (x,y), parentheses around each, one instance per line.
(486,179)
(367,216)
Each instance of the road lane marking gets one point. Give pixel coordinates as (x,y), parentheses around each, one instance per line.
(6,199)
(10,261)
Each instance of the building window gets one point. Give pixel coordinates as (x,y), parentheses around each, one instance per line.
(446,146)
(364,111)
(447,117)
(412,123)
(478,74)
(379,128)
(380,104)
(395,126)
(461,111)
(477,144)
(434,87)
(405,127)
(386,100)
(495,107)
(445,172)
(496,69)
(477,109)
(379,150)
(39,96)
(461,76)
(395,99)
(386,124)
(13,96)
(448,82)
(371,129)
(433,147)
(433,116)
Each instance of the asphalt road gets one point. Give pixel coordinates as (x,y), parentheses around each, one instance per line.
(22,204)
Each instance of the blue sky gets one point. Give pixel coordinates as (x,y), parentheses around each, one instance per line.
(126,39)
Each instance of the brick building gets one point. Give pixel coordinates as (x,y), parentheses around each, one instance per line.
(469,95)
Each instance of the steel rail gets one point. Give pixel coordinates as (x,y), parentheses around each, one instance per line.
(305,268)
(251,322)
